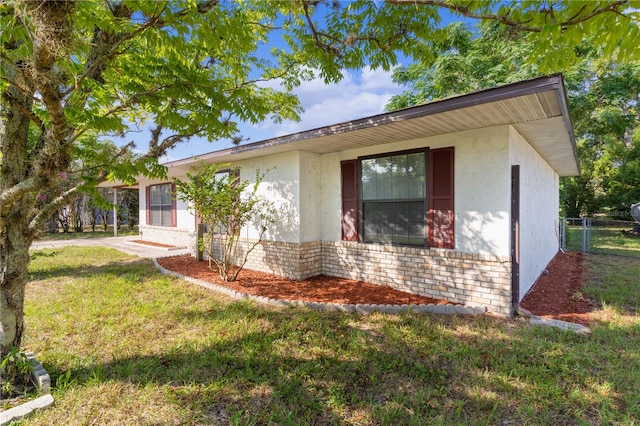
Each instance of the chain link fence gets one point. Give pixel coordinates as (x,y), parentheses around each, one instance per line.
(604,236)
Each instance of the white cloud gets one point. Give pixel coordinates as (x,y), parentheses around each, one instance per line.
(359,94)
(378,80)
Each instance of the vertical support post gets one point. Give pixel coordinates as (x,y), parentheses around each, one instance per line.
(115,212)
(563,235)
(515,237)
(584,235)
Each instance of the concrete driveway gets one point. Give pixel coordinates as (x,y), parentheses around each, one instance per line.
(123,244)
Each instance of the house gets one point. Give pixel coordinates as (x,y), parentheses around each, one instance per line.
(456,199)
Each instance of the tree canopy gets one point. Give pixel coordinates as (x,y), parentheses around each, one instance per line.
(603,97)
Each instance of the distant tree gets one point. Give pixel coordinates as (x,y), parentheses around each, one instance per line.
(128,204)
(98,206)
(464,61)
(226,204)
(605,106)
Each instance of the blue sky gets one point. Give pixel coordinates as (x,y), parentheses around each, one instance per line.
(359,94)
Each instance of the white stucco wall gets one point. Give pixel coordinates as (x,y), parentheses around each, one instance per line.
(305,189)
(539,206)
(482,187)
(281,186)
(311,177)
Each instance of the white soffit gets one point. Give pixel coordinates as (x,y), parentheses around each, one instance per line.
(536,108)
(545,136)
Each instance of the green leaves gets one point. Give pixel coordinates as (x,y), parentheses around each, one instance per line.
(463,62)
(226,205)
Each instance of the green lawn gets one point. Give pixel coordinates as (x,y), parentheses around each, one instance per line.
(605,240)
(127,345)
(88,233)
(614,281)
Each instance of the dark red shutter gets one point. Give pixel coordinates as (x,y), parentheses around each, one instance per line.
(441,191)
(174,213)
(148,208)
(349,170)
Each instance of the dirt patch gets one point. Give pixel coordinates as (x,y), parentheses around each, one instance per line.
(558,292)
(316,289)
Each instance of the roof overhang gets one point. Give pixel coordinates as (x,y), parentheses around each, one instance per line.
(536,108)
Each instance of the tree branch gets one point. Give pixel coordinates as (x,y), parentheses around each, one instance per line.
(508,20)
(157,150)
(23,109)
(12,195)
(105,45)
(46,212)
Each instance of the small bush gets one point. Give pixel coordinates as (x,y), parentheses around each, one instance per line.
(15,373)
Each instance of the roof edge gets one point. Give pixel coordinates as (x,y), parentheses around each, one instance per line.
(521,88)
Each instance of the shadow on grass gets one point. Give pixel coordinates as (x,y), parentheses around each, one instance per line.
(302,380)
(85,262)
(315,367)
(297,366)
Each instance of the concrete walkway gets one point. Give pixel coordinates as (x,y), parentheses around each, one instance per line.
(123,244)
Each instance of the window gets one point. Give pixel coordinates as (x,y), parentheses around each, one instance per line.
(403,198)
(161,205)
(394,199)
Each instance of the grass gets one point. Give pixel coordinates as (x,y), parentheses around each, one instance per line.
(127,345)
(88,233)
(605,240)
(614,281)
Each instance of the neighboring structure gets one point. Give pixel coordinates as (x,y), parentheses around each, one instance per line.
(455,199)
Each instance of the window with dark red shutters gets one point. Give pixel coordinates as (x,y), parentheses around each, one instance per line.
(161,205)
(403,198)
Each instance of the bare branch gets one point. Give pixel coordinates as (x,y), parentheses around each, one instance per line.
(169,142)
(26,111)
(317,33)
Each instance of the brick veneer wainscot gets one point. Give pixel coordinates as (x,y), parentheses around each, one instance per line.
(472,279)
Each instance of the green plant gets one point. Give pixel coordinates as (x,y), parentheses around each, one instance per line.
(226,205)
(15,371)
(64,381)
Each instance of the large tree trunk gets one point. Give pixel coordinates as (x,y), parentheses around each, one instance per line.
(14,261)
(15,236)
(15,239)
(29,165)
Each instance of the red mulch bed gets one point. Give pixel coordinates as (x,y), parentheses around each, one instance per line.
(316,289)
(557,294)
